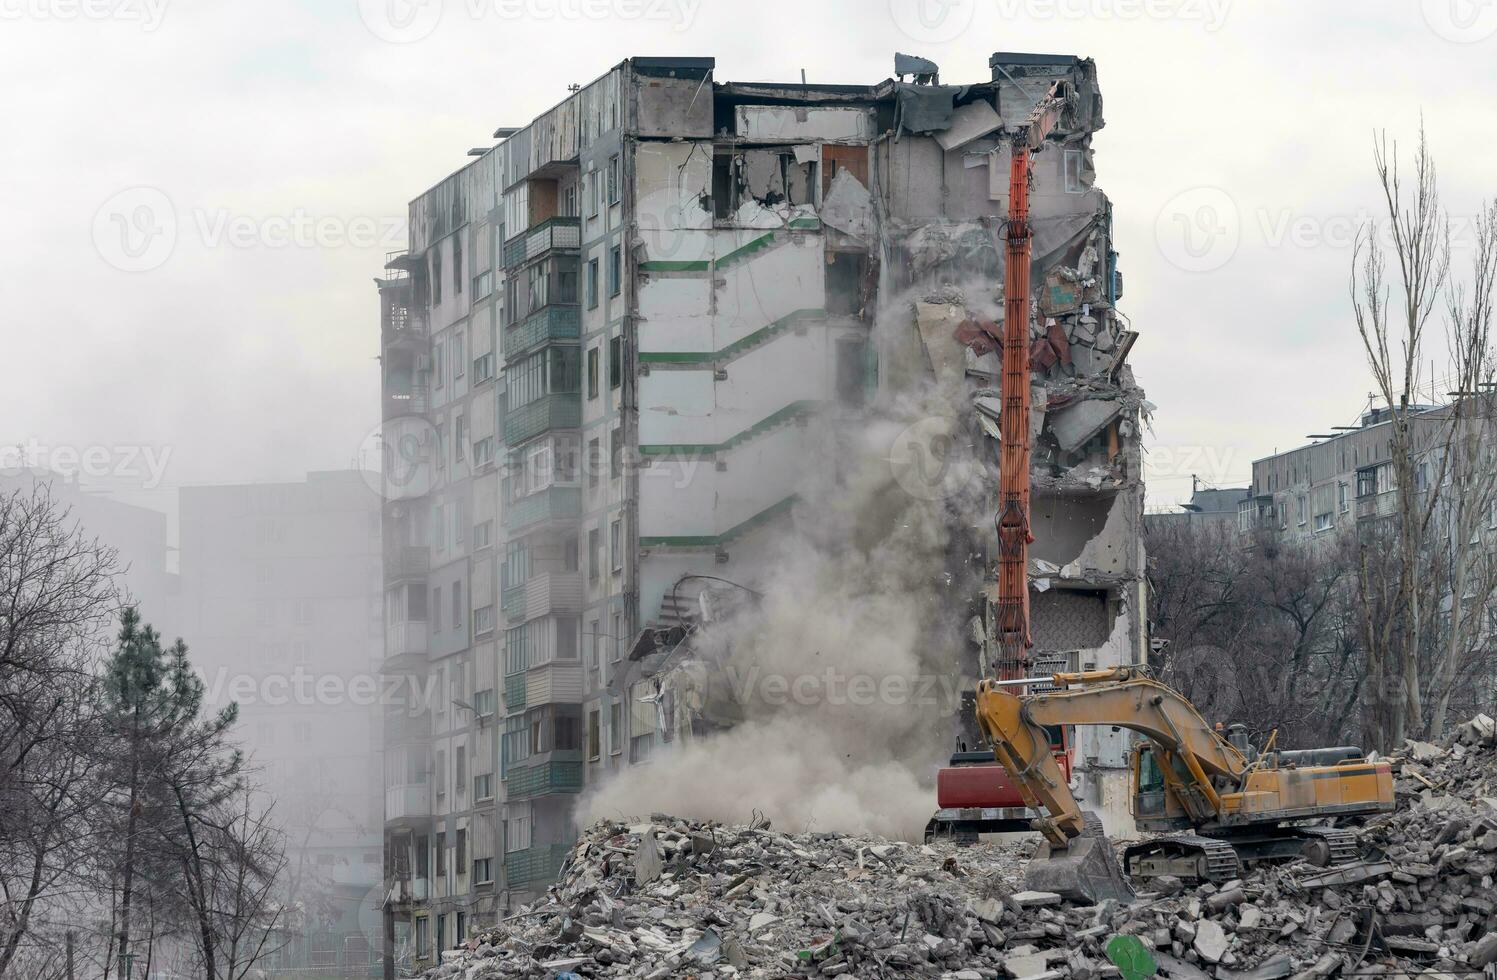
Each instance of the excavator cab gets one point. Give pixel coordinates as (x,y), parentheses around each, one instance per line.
(1153,809)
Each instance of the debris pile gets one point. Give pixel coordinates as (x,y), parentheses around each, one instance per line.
(668,897)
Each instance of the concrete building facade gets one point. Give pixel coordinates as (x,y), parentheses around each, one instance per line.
(602,353)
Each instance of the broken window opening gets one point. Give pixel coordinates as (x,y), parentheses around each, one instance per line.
(844,282)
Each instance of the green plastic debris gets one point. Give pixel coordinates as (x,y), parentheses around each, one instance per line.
(1131,957)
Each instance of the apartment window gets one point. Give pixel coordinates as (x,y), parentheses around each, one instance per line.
(483,367)
(618,637)
(594,736)
(438,374)
(483,871)
(517,649)
(613,179)
(1322,522)
(457,604)
(1421,477)
(423,937)
(483,620)
(594,182)
(1302,507)
(1343,497)
(459,354)
(483,451)
(595,652)
(441,931)
(592,284)
(483,701)
(483,533)
(517,827)
(592,373)
(616,544)
(460,436)
(594,462)
(460,784)
(436,608)
(615,362)
(483,284)
(616,727)
(569,201)
(1075,162)
(440,856)
(457,264)
(594,555)
(460,862)
(615,270)
(436,276)
(555,370)
(616,455)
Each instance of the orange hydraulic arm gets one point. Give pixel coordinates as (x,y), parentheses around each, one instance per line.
(1014,536)
(1012,607)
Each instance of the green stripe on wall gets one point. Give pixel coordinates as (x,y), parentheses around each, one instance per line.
(791,411)
(739,254)
(712,541)
(708,358)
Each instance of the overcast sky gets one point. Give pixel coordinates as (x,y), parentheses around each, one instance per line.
(240,343)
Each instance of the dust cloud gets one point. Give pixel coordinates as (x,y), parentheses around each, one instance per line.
(846,675)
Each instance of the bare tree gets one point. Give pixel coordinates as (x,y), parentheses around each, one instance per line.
(57,595)
(1393,339)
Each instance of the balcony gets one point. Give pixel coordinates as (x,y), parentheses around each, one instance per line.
(551,504)
(558,411)
(408,803)
(558,321)
(562,775)
(405,640)
(405,892)
(514,692)
(534,865)
(543,595)
(553,233)
(404,563)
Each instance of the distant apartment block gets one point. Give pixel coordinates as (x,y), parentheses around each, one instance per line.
(282,613)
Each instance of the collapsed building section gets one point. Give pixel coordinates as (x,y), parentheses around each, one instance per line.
(874,216)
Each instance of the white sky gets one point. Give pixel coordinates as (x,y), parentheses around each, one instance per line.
(254,359)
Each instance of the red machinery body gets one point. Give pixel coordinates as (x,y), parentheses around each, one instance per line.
(975,795)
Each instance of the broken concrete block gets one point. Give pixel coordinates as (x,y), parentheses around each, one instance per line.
(1034,899)
(1210,941)
(647,860)
(1075,424)
(1483,951)
(969,122)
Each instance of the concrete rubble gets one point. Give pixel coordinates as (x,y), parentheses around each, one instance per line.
(667,897)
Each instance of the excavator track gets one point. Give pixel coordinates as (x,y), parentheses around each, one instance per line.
(1340,846)
(1183,855)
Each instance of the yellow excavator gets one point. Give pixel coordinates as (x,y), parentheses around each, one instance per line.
(1217,801)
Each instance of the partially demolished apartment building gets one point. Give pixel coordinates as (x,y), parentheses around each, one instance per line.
(600,355)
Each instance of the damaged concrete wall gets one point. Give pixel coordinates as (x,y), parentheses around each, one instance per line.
(765,253)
